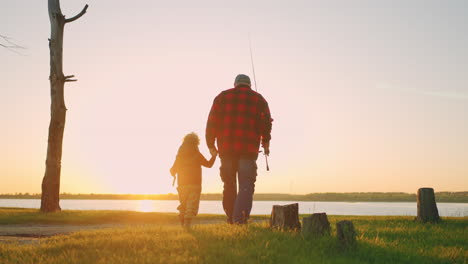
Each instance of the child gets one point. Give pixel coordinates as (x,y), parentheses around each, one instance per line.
(188,167)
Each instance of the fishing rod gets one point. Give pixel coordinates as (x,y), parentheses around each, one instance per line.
(251,60)
(266,160)
(255,82)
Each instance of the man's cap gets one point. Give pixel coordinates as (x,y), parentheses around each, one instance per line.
(242,79)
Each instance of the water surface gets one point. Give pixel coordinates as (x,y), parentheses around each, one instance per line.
(259,207)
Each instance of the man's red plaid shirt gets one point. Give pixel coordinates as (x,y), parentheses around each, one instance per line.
(239,119)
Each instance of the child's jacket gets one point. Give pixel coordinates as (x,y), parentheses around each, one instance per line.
(188,167)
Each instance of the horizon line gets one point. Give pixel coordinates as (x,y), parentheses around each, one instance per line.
(273,193)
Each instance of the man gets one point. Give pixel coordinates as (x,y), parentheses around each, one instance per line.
(239,121)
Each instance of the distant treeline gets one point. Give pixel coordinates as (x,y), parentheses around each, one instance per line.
(446,197)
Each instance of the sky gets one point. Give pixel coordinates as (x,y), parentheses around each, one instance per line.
(366,96)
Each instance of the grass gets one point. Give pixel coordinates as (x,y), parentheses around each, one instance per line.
(380,240)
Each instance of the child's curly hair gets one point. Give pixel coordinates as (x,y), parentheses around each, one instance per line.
(189,145)
(191,139)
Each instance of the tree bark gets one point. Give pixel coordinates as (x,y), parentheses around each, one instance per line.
(315,225)
(346,233)
(427,208)
(285,216)
(51,180)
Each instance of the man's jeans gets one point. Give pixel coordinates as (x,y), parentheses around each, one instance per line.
(238,205)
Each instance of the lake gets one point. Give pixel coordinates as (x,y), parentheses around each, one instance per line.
(259,207)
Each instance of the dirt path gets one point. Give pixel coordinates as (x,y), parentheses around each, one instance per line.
(33,233)
(32,230)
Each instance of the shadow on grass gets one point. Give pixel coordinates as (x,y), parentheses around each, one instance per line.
(256,243)
(371,253)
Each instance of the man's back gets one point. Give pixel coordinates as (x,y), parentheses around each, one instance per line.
(239,119)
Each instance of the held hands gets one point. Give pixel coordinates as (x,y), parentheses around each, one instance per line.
(213,152)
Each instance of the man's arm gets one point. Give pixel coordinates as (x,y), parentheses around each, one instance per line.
(266,127)
(213,124)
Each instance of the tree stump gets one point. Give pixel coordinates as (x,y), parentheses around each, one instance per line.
(285,216)
(345,233)
(315,225)
(427,208)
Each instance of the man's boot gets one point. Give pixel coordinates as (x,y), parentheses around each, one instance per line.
(181,219)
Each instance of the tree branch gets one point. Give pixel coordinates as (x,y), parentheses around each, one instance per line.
(11,46)
(77,16)
(68,78)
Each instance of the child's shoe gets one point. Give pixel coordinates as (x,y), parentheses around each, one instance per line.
(187,223)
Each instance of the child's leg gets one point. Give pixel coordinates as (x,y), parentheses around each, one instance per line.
(192,202)
(183,195)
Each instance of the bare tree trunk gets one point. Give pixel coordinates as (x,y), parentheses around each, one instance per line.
(51,181)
